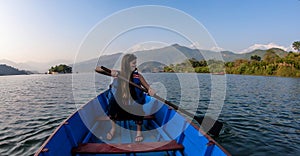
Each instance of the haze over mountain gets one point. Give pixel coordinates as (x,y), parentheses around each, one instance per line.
(36,67)
(90,65)
(149,60)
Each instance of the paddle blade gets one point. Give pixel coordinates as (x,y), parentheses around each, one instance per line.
(215,129)
(105,69)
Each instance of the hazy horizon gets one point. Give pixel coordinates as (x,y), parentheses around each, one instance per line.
(71,61)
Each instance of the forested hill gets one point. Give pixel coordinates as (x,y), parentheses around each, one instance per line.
(8,70)
(271,64)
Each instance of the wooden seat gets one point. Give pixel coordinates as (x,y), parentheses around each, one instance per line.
(102,148)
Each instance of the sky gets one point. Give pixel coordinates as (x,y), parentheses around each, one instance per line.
(48,30)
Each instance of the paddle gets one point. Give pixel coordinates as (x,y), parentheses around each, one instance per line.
(214,130)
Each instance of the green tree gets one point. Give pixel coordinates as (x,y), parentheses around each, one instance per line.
(229,64)
(216,66)
(62,68)
(168,69)
(202,69)
(194,62)
(296,45)
(255,58)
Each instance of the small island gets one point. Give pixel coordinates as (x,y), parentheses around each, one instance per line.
(60,69)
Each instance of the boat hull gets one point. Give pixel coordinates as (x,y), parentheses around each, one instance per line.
(84,133)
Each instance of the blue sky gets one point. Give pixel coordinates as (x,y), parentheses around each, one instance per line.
(47,30)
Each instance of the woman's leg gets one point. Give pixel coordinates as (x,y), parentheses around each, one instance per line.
(139,136)
(112,131)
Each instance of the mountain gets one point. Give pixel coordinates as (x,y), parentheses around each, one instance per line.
(155,59)
(8,70)
(261,53)
(90,65)
(35,67)
(173,54)
(230,56)
(150,60)
(13,64)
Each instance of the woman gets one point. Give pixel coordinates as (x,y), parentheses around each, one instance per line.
(128,100)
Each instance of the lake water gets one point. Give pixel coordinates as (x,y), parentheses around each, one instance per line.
(261,115)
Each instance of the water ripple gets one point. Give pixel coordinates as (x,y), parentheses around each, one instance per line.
(261,115)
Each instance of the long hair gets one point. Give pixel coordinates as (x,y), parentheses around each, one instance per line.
(123,91)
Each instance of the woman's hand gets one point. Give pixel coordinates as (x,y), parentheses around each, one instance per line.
(114,73)
(99,69)
(151,91)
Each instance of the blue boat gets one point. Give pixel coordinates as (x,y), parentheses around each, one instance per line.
(166,132)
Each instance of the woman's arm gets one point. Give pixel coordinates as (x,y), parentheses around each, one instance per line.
(151,92)
(144,82)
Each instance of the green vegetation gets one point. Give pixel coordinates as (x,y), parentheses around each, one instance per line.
(271,65)
(183,67)
(255,58)
(192,65)
(62,68)
(296,45)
